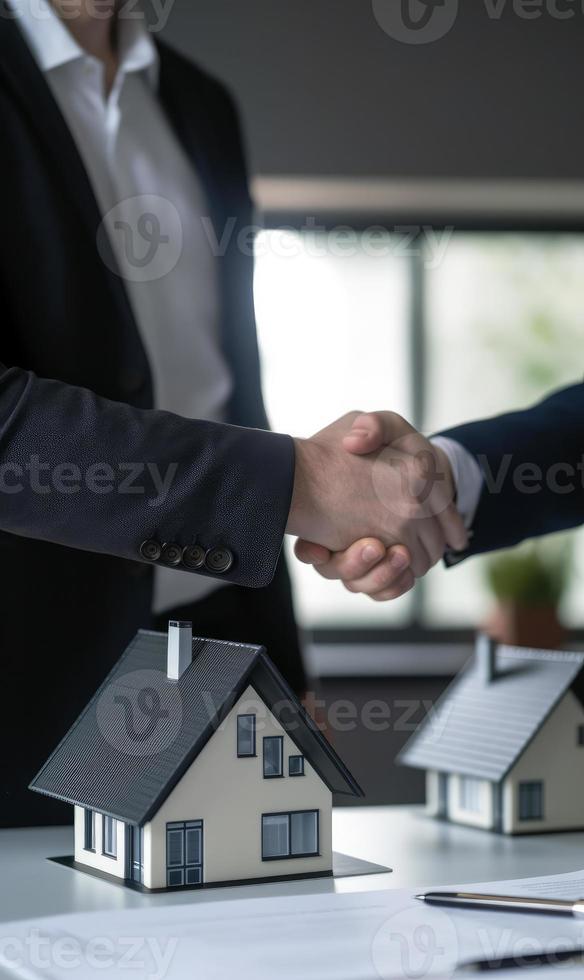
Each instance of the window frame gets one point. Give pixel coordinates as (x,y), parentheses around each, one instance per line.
(535,787)
(290,856)
(253,753)
(113,823)
(273,738)
(294,775)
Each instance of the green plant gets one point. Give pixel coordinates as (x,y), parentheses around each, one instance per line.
(534,574)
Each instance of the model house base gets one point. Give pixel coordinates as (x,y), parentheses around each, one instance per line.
(195,765)
(70,862)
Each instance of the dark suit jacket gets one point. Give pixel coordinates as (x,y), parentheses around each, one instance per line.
(532,463)
(75,388)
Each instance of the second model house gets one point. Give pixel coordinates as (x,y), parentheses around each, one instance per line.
(194,764)
(504,749)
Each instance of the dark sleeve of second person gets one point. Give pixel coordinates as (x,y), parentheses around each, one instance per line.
(532,465)
(80,470)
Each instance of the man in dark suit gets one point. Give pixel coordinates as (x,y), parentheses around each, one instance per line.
(72,312)
(515,476)
(138,482)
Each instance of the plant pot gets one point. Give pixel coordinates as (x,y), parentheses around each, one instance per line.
(526,626)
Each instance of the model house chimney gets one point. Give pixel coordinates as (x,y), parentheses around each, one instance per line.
(180,648)
(486,657)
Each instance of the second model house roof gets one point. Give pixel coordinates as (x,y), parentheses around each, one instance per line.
(92,766)
(482,724)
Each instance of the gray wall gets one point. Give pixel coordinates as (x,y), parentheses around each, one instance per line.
(325,91)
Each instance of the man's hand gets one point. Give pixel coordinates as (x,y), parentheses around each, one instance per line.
(400,492)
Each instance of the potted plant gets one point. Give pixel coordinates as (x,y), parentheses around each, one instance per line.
(528,584)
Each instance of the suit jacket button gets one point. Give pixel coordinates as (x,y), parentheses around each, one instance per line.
(219,560)
(193,556)
(171,554)
(150,550)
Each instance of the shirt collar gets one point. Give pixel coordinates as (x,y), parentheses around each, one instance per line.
(53,45)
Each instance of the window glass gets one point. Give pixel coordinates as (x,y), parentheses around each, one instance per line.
(304,833)
(273,747)
(89,830)
(333,325)
(531,801)
(109,836)
(275,836)
(470,794)
(246,744)
(503,329)
(174,846)
(194,838)
(296,765)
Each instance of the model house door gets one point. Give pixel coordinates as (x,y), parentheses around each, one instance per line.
(184,853)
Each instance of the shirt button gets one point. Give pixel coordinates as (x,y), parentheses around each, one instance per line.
(150,550)
(171,554)
(219,560)
(193,556)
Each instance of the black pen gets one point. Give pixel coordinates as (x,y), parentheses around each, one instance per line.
(505,903)
(545,958)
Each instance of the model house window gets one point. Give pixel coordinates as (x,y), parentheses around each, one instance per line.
(109,845)
(296,765)
(531,801)
(580,734)
(246,736)
(469,794)
(273,755)
(89,843)
(289,835)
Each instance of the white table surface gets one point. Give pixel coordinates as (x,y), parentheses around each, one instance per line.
(420,850)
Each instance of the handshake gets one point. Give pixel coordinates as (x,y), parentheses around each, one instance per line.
(373,504)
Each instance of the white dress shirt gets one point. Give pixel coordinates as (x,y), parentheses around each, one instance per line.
(468,478)
(153,209)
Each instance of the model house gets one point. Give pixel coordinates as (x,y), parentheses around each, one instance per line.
(504,748)
(194,764)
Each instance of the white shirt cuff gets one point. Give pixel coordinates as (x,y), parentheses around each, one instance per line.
(468,478)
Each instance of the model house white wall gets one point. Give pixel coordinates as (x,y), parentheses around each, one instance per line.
(230,794)
(554,759)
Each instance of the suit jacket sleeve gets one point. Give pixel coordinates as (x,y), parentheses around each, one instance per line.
(532,465)
(83,471)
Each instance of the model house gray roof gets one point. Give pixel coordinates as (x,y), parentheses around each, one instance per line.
(141,731)
(480,728)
